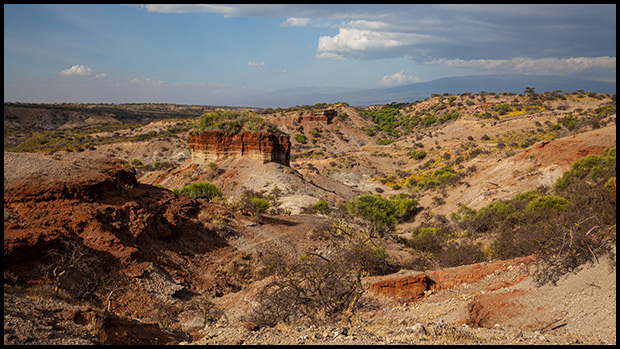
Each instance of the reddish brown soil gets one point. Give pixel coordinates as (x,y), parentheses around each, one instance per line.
(97,214)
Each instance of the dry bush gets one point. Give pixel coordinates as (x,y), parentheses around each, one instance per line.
(562,241)
(584,233)
(319,287)
(209,312)
(80,273)
(572,247)
(456,254)
(166,313)
(314,288)
(429,240)
(419,261)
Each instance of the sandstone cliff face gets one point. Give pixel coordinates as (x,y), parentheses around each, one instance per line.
(324,116)
(210,146)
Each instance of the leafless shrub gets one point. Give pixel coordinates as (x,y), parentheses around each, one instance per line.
(77,270)
(421,262)
(573,247)
(319,287)
(438,200)
(456,254)
(562,240)
(96,326)
(209,312)
(313,288)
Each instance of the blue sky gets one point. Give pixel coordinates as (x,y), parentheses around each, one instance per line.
(214,54)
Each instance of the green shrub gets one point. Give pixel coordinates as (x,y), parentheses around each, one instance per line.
(300,138)
(547,202)
(200,190)
(443,175)
(315,133)
(569,121)
(321,206)
(232,121)
(448,116)
(594,168)
(260,205)
(424,231)
(429,240)
(502,109)
(213,166)
(136,162)
(463,213)
(604,111)
(231,127)
(498,207)
(489,218)
(609,185)
(527,196)
(404,207)
(417,154)
(428,120)
(377,211)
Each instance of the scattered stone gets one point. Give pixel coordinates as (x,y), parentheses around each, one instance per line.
(417,329)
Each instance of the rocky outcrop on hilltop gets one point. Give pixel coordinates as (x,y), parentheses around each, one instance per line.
(208,146)
(324,116)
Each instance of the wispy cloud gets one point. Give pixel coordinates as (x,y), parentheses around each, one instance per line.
(306,22)
(296,22)
(148,82)
(261,66)
(530,66)
(80,70)
(399,78)
(255,64)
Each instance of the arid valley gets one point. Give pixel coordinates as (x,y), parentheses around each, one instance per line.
(477,218)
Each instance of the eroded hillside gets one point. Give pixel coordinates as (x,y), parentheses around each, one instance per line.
(101,247)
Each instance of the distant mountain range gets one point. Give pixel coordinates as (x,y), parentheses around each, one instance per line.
(413,92)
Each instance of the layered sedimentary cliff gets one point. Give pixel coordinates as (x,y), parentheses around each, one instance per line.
(324,116)
(208,146)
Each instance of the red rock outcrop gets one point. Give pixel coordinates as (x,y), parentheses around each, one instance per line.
(405,289)
(208,146)
(412,288)
(324,116)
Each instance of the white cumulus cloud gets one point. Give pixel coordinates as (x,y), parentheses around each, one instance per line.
(80,70)
(364,43)
(399,78)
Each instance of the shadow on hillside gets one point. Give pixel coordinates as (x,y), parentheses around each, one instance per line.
(277,221)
